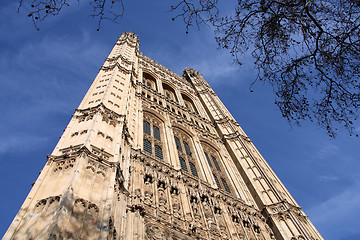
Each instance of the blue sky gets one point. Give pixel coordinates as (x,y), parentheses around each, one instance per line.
(45,74)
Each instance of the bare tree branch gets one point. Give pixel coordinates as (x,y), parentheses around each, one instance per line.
(101,9)
(308,50)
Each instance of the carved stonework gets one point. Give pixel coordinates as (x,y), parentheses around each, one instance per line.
(149,154)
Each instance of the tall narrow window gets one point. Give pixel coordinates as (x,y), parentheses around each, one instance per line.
(183,164)
(187,148)
(215,164)
(225,185)
(193,169)
(146,127)
(156,133)
(149,81)
(189,104)
(152,136)
(158,152)
(178,144)
(217,181)
(147,146)
(186,159)
(169,92)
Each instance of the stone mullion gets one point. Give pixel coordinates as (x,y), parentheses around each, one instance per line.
(170,142)
(235,179)
(202,162)
(179,97)
(261,171)
(265,165)
(159,87)
(137,143)
(173,150)
(242,152)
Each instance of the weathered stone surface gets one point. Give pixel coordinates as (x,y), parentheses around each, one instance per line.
(150,154)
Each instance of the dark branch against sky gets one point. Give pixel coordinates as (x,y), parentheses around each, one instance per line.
(45,74)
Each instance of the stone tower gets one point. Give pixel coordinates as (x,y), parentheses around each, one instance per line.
(150,154)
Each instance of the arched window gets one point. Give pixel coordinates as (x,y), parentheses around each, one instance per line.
(149,81)
(169,92)
(189,104)
(213,159)
(152,137)
(184,148)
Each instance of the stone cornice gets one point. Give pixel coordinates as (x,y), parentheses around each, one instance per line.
(96,154)
(99,108)
(121,68)
(124,59)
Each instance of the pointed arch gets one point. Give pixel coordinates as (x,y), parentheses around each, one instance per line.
(185,149)
(189,103)
(153,134)
(149,80)
(169,91)
(213,158)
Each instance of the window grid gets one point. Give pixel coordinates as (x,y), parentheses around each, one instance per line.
(187,148)
(216,163)
(217,170)
(150,83)
(225,185)
(187,161)
(193,169)
(158,152)
(178,145)
(217,181)
(152,138)
(156,131)
(147,128)
(147,146)
(183,164)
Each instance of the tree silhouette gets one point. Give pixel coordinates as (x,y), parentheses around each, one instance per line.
(101,9)
(308,50)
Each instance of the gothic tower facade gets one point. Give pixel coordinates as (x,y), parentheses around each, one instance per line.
(150,154)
